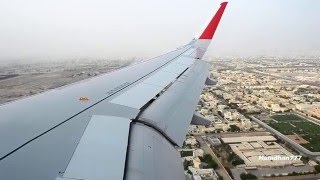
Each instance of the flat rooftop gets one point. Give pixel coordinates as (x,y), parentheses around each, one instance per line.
(257,154)
(231,140)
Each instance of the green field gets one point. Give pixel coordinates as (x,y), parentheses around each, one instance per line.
(287,117)
(301,128)
(307,128)
(314,143)
(292,124)
(283,127)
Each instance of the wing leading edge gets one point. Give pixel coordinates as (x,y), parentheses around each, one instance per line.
(149,105)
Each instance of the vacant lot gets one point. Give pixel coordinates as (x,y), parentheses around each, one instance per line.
(298,139)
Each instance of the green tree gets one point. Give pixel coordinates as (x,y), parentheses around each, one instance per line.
(234,128)
(219,177)
(237,161)
(247,176)
(207,158)
(317,168)
(186,164)
(305,159)
(231,156)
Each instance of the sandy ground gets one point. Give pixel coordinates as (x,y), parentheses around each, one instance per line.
(298,139)
(33,79)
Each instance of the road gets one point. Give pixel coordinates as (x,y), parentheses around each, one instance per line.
(232,134)
(221,170)
(311,119)
(3,77)
(251,70)
(302,177)
(298,147)
(283,77)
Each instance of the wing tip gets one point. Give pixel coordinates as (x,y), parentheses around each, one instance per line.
(224,3)
(212,26)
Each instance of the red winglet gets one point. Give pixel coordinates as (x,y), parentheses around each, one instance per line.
(212,26)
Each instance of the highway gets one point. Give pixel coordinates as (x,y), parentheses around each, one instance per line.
(301,177)
(283,77)
(298,147)
(221,170)
(3,77)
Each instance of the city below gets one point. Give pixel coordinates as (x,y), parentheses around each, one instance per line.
(264,113)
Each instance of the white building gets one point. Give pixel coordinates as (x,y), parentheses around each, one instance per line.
(203,173)
(191,140)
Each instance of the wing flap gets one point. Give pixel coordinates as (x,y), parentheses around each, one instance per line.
(151,156)
(137,96)
(142,93)
(100,145)
(173,110)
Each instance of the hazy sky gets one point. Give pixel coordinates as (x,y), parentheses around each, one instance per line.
(126,28)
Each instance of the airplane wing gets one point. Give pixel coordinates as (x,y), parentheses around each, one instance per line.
(125,124)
